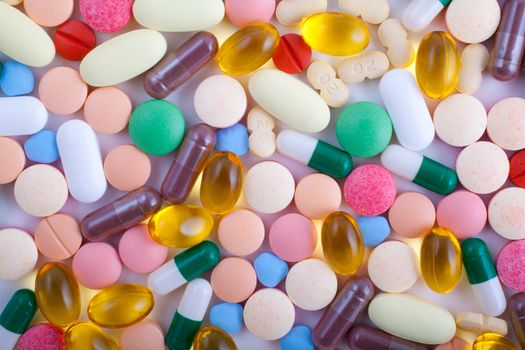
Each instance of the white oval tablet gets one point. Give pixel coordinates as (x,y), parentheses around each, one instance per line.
(412,318)
(289,100)
(123,57)
(21,115)
(506,213)
(178,15)
(81,160)
(407,109)
(22,39)
(18,253)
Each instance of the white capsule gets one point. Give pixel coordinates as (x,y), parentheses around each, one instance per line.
(195,300)
(166,278)
(401,161)
(22,115)
(419,13)
(298,146)
(491,296)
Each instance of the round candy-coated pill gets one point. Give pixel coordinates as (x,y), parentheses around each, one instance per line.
(317,195)
(143,335)
(97,265)
(241,232)
(370,190)
(510,264)
(506,122)
(244,12)
(299,337)
(517,168)
(58,236)
(157,127)
(233,280)
(18,253)
(127,168)
(270,269)
(139,252)
(42,147)
(374,229)
(293,237)
(43,336)
(227,316)
(233,139)
(12,160)
(74,39)
(49,13)
(62,90)
(106,16)
(412,215)
(107,110)
(292,55)
(16,79)
(506,213)
(463,213)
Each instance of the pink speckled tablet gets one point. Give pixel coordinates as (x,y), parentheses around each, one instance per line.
(43,336)
(506,123)
(241,232)
(233,280)
(482,167)
(127,168)
(370,190)
(62,90)
(412,215)
(58,236)
(317,195)
(293,237)
(463,213)
(107,110)
(97,265)
(143,335)
(243,12)
(106,16)
(139,252)
(510,264)
(507,213)
(49,13)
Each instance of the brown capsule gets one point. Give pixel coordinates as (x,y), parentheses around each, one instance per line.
(516,307)
(368,338)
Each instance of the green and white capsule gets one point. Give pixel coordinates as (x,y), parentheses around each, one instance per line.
(419,13)
(190,313)
(483,277)
(16,317)
(419,169)
(314,153)
(184,267)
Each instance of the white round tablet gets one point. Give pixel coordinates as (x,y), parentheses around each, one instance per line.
(18,253)
(269,314)
(311,284)
(220,101)
(506,126)
(482,167)
(506,213)
(473,21)
(268,187)
(392,267)
(460,120)
(41,190)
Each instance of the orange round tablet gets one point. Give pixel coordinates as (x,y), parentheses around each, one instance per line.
(412,215)
(12,160)
(317,195)
(49,13)
(233,280)
(241,232)
(127,168)
(62,90)
(107,110)
(58,236)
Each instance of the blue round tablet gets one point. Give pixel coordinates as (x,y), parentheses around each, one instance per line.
(42,147)
(374,229)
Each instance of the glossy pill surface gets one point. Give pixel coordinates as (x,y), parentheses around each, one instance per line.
(368,338)
(248,48)
(292,54)
(335,34)
(212,338)
(493,341)
(74,39)
(516,309)
(87,336)
(437,65)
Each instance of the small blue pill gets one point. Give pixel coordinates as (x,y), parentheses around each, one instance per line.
(299,337)
(375,229)
(16,79)
(42,147)
(227,316)
(233,139)
(270,269)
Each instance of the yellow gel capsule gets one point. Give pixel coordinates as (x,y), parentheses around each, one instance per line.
(180,226)
(57,294)
(120,305)
(213,338)
(222,181)
(335,33)
(437,65)
(493,341)
(248,48)
(87,336)
(441,262)
(343,246)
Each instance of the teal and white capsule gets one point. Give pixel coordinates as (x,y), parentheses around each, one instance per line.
(314,153)
(419,13)
(419,169)
(184,267)
(483,277)
(16,317)
(190,313)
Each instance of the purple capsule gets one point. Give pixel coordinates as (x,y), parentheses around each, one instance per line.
(368,338)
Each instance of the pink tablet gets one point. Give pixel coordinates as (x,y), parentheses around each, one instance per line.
(233,280)
(293,237)
(463,213)
(511,265)
(139,252)
(97,265)
(241,232)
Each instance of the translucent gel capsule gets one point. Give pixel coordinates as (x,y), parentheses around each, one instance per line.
(222,181)
(213,338)
(120,305)
(516,309)
(180,226)
(343,246)
(437,65)
(335,33)
(248,48)
(368,338)
(87,336)
(58,294)
(441,262)
(493,341)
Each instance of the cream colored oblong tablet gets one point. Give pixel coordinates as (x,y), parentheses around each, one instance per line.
(322,76)
(479,323)
(371,11)
(178,15)
(474,60)
(123,57)
(289,100)
(369,65)
(394,36)
(12,2)
(22,39)
(262,138)
(290,12)
(422,321)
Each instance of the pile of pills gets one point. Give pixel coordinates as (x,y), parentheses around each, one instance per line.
(261,225)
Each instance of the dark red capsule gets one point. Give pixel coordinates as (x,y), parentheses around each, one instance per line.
(368,338)
(292,55)
(74,40)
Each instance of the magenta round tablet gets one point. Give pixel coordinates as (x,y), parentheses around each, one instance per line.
(42,336)
(370,190)
(463,213)
(293,237)
(511,265)
(97,265)
(139,252)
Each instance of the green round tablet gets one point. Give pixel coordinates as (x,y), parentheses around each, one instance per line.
(157,127)
(364,129)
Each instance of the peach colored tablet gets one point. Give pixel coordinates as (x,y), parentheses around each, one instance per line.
(49,13)
(107,110)
(139,252)
(293,237)
(241,232)
(58,236)
(127,168)
(412,215)
(62,90)
(233,280)
(97,265)
(317,195)
(12,160)
(143,335)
